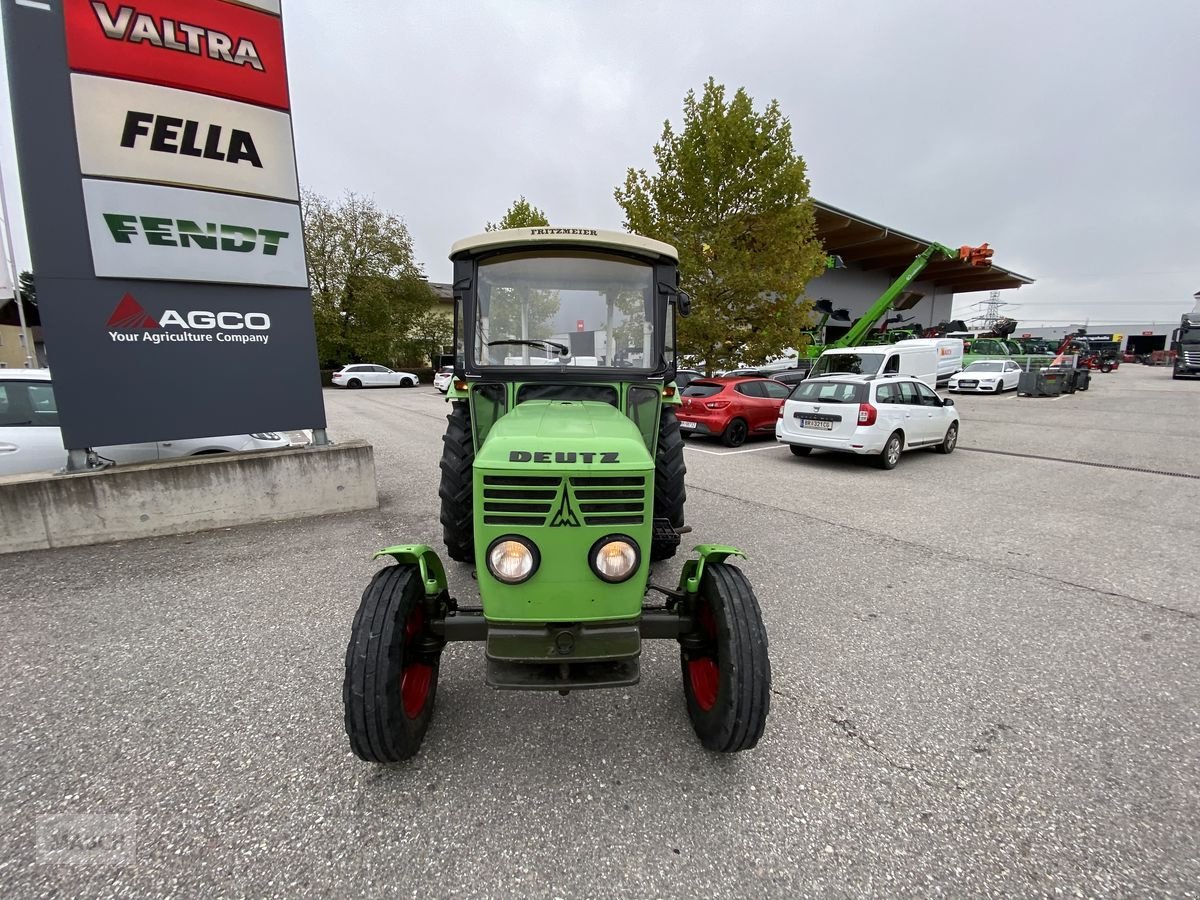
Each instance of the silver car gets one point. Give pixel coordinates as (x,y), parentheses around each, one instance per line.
(30,439)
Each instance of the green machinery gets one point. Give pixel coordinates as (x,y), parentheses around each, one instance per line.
(860,331)
(562,480)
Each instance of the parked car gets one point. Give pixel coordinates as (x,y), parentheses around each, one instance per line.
(730,408)
(790,377)
(30,439)
(865,415)
(443,377)
(684,377)
(370,375)
(991,376)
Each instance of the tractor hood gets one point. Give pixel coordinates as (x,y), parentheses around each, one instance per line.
(555,434)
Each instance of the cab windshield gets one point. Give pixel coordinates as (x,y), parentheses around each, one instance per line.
(565,309)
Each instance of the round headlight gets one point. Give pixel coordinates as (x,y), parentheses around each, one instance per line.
(614,558)
(511,560)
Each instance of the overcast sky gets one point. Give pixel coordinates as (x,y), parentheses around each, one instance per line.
(1064,134)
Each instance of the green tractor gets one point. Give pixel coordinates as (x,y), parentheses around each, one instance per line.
(562,481)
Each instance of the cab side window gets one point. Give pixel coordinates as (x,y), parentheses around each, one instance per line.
(892,365)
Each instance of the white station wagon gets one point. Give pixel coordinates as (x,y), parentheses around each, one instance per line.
(880,416)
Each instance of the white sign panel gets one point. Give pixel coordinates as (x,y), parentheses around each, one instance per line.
(144,132)
(150,231)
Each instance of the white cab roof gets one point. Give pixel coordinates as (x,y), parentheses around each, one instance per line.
(606,240)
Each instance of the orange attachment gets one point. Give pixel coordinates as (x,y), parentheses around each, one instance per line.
(976,256)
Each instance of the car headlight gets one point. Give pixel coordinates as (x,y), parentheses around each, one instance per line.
(512,559)
(614,558)
(266,436)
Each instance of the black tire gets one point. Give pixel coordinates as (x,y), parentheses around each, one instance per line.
(456,491)
(950,441)
(407,382)
(890,454)
(670,492)
(392,665)
(1000,386)
(726,669)
(735,433)
(353,383)
(1106,368)
(799,451)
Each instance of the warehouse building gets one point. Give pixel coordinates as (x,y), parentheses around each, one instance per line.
(874,255)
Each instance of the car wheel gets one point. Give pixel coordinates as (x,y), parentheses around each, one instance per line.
(799,451)
(950,441)
(407,382)
(1106,368)
(391,668)
(726,670)
(734,434)
(890,455)
(353,383)
(1000,386)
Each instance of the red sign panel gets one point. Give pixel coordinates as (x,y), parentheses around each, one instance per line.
(198,45)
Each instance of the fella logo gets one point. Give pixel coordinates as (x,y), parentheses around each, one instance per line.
(131,323)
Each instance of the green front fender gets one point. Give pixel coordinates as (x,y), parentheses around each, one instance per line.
(693,569)
(433,573)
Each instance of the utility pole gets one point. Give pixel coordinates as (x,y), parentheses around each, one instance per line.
(11,259)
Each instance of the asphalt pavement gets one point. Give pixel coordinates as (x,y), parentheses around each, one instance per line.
(985,683)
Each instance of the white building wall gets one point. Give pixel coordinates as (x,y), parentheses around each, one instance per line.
(856,290)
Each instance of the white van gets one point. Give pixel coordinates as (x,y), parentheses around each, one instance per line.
(933,360)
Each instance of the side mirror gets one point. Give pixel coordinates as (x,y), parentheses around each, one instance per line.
(947,402)
(683,302)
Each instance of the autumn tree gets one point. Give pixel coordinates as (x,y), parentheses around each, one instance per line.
(368,293)
(731,195)
(521,313)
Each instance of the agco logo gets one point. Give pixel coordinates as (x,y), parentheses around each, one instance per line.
(130,322)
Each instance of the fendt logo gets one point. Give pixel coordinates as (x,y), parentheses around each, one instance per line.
(130,322)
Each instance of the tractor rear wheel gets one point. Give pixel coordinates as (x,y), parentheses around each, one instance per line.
(391,668)
(726,671)
(458,455)
(669,490)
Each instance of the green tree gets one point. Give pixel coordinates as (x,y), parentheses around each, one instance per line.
(731,195)
(508,304)
(368,293)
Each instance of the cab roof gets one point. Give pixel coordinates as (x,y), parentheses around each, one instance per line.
(552,237)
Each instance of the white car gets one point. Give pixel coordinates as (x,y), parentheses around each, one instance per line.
(30,439)
(443,377)
(370,375)
(879,416)
(988,376)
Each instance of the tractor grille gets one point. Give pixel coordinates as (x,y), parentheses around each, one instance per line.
(610,499)
(599,500)
(518,499)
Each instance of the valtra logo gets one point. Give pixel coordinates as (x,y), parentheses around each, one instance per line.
(131,323)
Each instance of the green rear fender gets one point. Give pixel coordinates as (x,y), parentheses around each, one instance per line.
(693,569)
(433,573)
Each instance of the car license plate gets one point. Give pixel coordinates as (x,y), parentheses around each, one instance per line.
(816,423)
(683,424)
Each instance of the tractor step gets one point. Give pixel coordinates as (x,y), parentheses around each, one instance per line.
(666,534)
(562,676)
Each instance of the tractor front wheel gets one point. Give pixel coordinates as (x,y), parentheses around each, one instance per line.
(726,672)
(458,455)
(391,668)
(669,490)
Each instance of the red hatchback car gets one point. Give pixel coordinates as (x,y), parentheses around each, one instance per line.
(731,408)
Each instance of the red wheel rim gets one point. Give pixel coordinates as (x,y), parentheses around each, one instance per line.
(703,673)
(415,677)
